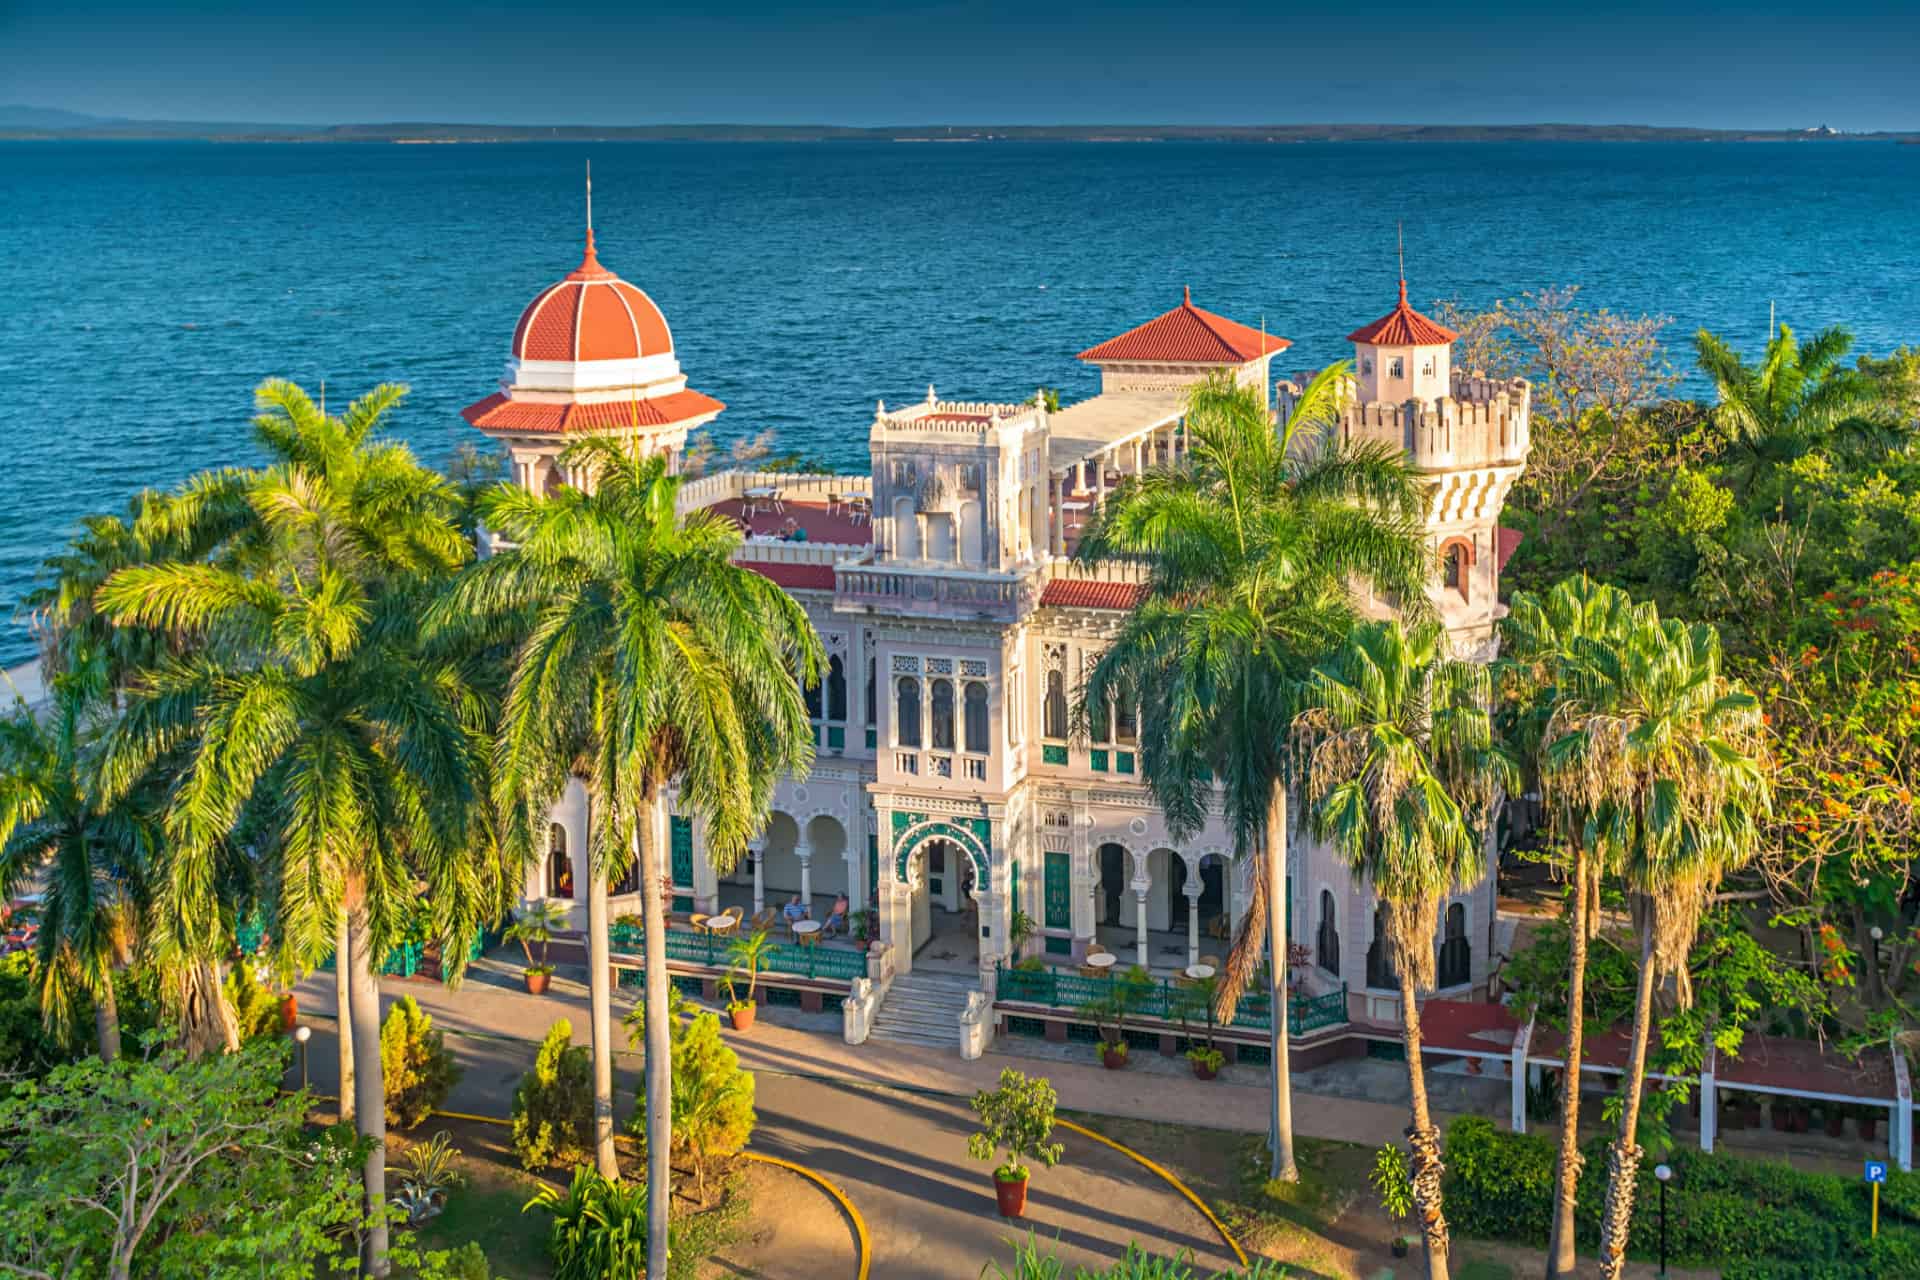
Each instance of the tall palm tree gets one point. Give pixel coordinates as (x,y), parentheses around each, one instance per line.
(1403,778)
(1253,546)
(303,709)
(649,660)
(93,857)
(1674,752)
(1543,641)
(1798,398)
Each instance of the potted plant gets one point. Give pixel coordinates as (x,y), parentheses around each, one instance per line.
(1017,1118)
(537,922)
(1198,997)
(1393,1183)
(1206,1062)
(860,925)
(747,955)
(429,1177)
(1108,1012)
(1020,931)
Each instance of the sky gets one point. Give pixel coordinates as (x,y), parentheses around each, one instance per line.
(1756,65)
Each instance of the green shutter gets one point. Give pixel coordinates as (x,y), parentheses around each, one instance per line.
(1059,880)
(682,851)
(873,871)
(1050,754)
(1099,759)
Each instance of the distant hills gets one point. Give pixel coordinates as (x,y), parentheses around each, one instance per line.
(30,122)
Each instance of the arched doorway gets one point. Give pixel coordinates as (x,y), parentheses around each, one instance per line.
(941,872)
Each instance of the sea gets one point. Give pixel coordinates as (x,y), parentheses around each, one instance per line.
(147,287)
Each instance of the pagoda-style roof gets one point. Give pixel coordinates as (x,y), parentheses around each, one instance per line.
(501,413)
(1187,335)
(1403,327)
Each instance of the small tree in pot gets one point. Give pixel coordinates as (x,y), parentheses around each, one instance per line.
(1198,997)
(1109,1011)
(1016,1118)
(537,922)
(747,955)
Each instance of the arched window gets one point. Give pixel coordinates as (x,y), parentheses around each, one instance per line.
(1099,721)
(1055,708)
(1380,970)
(836,689)
(906,712)
(942,691)
(1328,937)
(811,692)
(1126,715)
(1397,367)
(977,728)
(1456,952)
(1456,558)
(559,864)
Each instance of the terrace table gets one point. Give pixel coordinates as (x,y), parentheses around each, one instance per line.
(764,497)
(1105,960)
(1199,972)
(807,931)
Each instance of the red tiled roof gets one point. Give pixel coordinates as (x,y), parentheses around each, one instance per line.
(498,413)
(794,577)
(1509,542)
(1071,593)
(1188,335)
(1403,327)
(591,315)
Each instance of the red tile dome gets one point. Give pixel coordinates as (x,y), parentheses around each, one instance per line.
(591,315)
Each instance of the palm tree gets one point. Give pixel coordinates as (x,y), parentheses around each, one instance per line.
(94,857)
(1798,398)
(1403,777)
(649,659)
(1680,762)
(305,711)
(1253,545)
(1543,640)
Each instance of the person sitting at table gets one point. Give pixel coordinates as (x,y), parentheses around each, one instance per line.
(836,918)
(795,911)
(790,531)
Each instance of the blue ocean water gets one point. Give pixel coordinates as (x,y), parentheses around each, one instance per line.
(145,288)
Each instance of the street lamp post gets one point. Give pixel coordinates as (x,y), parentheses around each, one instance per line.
(302,1034)
(1664,1173)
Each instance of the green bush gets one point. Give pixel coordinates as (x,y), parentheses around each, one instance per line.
(1756,1219)
(256,1010)
(553,1107)
(599,1227)
(419,1071)
(712,1097)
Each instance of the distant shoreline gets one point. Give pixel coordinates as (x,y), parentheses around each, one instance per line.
(22,128)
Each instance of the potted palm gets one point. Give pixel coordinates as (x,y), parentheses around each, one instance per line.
(1198,997)
(536,923)
(747,955)
(1394,1185)
(1017,1118)
(1108,1012)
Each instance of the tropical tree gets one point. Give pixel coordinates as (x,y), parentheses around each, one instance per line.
(304,709)
(649,659)
(1402,780)
(1253,545)
(1543,642)
(93,857)
(1799,397)
(1673,752)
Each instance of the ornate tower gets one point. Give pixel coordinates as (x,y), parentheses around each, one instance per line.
(1466,434)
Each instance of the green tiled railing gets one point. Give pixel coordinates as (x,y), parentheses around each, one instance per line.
(832,964)
(1162,998)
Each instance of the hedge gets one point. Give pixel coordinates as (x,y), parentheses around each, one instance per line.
(1757,1220)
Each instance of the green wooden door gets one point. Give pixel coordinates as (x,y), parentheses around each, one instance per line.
(1058,887)
(681,845)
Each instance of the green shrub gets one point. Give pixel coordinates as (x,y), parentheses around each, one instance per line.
(419,1071)
(599,1227)
(553,1107)
(712,1097)
(256,1010)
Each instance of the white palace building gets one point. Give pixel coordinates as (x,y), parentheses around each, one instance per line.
(948,792)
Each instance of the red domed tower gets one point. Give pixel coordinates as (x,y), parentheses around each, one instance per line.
(591,355)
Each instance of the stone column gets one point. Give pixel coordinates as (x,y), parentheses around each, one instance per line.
(1709,1099)
(1057,515)
(804,851)
(759,882)
(1140,888)
(1193,921)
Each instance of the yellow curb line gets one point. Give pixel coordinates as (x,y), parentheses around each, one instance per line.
(839,1197)
(1174,1182)
(846,1205)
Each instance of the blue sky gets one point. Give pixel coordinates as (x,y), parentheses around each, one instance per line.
(1756,65)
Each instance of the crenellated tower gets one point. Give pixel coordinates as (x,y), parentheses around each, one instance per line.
(1467,436)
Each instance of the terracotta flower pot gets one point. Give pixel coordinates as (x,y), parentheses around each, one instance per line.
(1012,1195)
(1202,1071)
(537,982)
(289,1011)
(1399,1247)
(1112,1058)
(742,1016)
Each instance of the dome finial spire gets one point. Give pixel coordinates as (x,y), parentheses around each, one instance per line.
(1186,295)
(588,261)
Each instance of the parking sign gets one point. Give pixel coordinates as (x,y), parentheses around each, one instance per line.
(1876,1171)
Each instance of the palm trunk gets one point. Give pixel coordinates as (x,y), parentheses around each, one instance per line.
(370,1103)
(1280,1134)
(659,1064)
(220,1017)
(600,1019)
(106,1021)
(1562,1258)
(1423,1140)
(1623,1156)
(343,1003)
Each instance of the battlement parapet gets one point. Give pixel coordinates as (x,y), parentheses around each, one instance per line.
(1485,422)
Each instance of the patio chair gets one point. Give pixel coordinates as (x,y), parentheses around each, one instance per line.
(1211,960)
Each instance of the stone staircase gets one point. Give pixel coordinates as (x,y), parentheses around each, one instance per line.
(924,1007)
